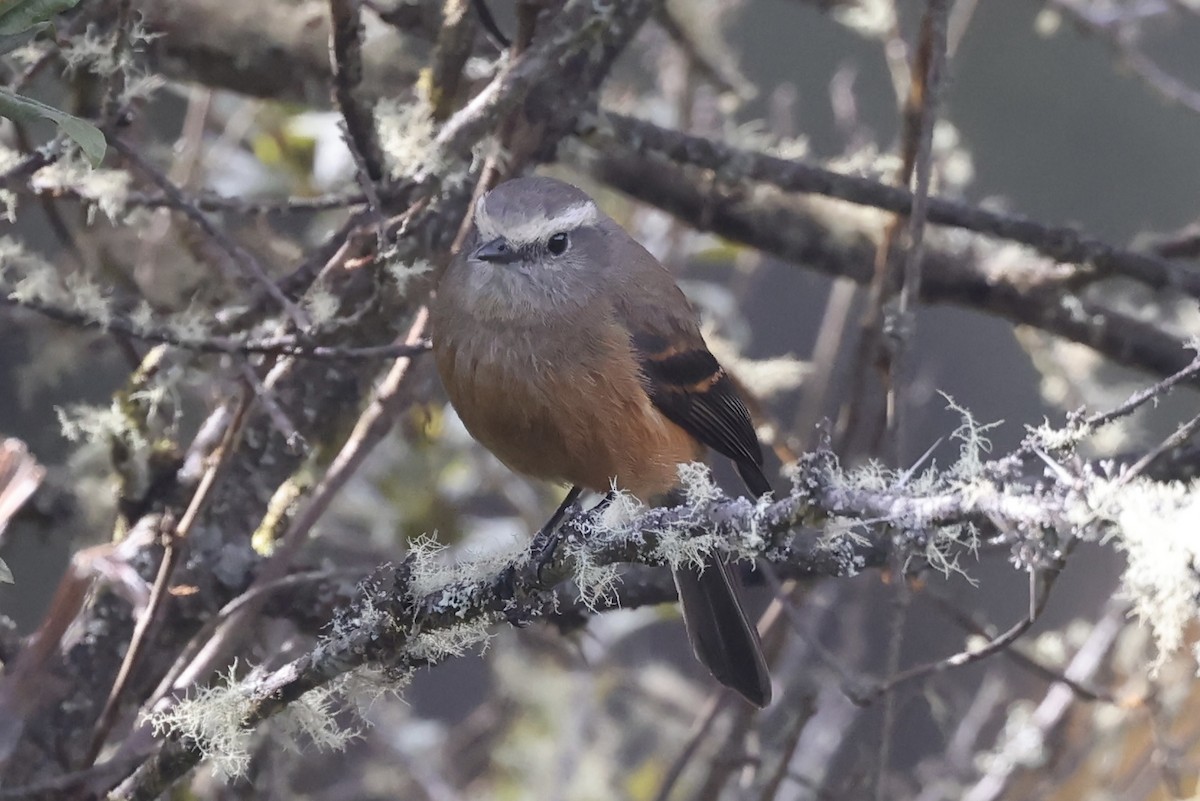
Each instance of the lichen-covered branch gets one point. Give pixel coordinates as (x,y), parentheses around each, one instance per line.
(421,612)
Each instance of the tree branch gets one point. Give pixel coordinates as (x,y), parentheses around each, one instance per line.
(813,233)
(391,624)
(1095,257)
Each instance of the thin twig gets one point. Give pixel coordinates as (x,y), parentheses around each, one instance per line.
(111,107)
(967,621)
(489,24)
(887,727)
(802,714)
(830,336)
(271,346)
(172,551)
(1120,33)
(266,396)
(1143,396)
(358,120)
(927,82)
(1180,436)
(1049,714)
(700,730)
(1037,602)
(247,262)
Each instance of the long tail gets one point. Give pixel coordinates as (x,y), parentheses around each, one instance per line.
(723,638)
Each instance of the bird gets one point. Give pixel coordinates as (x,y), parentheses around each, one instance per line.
(569,351)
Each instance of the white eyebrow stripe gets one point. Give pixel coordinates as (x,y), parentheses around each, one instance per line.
(539,228)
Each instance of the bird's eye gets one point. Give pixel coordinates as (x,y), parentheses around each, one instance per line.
(557,244)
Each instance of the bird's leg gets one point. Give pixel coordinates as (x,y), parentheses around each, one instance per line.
(542,548)
(548,538)
(545,542)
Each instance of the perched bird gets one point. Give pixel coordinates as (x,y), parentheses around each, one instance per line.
(571,354)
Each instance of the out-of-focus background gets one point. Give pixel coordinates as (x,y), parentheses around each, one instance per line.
(1055,111)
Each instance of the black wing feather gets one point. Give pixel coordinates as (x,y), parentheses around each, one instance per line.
(693,391)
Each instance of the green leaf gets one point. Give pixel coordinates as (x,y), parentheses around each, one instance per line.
(6,576)
(21,15)
(83,133)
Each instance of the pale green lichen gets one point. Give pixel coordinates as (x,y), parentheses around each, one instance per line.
(439,644)
(322,305)
(434,570)
(89,298)
(312,720)
(81,422)
(105,190)
(217,720)
(403,272)
(407,135)
(214,719)
(1155,525)
(193,324)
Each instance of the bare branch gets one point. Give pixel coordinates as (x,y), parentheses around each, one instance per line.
(1095,257)
(1031,293)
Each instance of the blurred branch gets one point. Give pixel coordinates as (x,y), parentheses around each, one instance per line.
(287,345)
(1183,245)
(697,30)
(345,53)
(1094,258)
(454,44)
(929,70)
(820,237)
(270,49)
(1119,29)
(1049,715)
(20,475)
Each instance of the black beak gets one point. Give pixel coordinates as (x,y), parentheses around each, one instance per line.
(498,251)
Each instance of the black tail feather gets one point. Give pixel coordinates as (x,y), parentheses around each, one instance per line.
(723,638)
